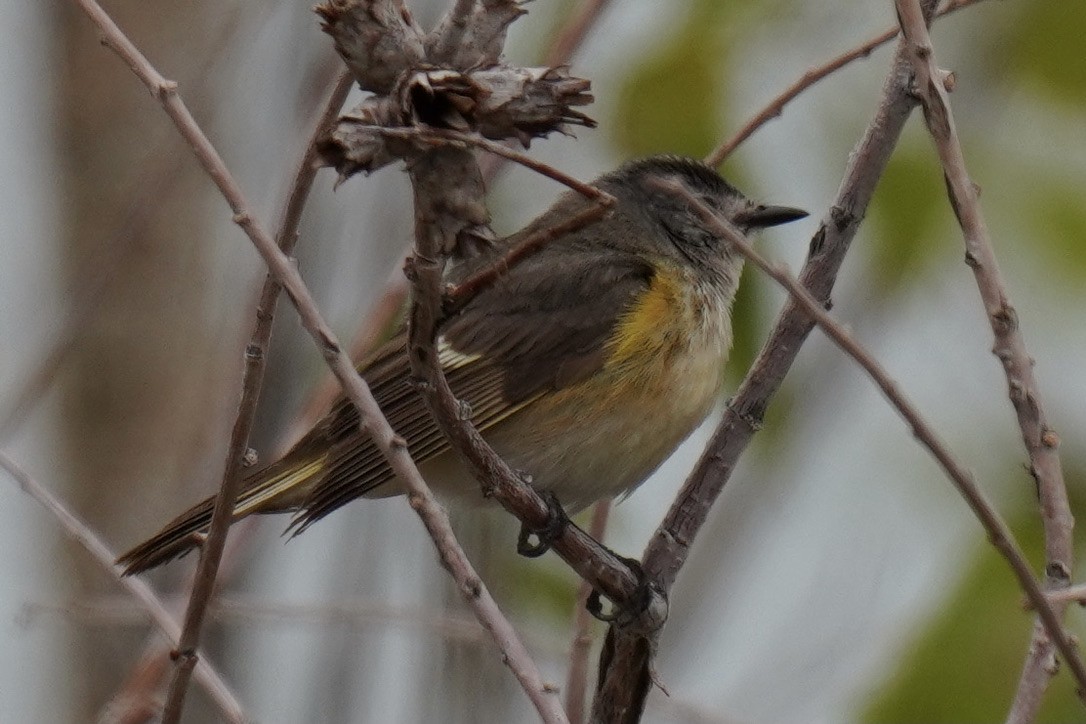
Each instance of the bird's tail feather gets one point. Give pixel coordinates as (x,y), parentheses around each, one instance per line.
(274,489)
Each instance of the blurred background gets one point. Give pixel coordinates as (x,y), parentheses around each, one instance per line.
(840,578)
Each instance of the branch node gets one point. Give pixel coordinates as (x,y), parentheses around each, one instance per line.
(950,80)
(165,89)
(473,587)
(1058,574)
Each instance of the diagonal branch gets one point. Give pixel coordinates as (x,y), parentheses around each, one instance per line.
(626,662)
(776,106)
(999,533)
(1040,440)
(255,365)
(392,446)
(286,236)
(78,531)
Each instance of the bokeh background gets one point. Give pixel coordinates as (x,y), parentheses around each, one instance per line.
(840,578)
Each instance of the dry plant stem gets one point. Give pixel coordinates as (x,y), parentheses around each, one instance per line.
(78,531)
(1072,594)
(808,79)
(255,365)
(1040,440)
(626,660)
(286,238)
(443,137)
(391,445)
(999,533)
(577,676)
(608,574)
(465,291)
(566,42)
(446,186)
(394,295)
(392,299)
(574,32)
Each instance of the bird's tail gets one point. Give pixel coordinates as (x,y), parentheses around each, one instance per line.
(277,488)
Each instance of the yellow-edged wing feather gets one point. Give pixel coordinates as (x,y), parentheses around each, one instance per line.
(544,326)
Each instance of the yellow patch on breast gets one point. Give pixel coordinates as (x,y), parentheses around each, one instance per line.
(655,327)
(663,372)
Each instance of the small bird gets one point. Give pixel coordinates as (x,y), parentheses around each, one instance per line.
(584,365)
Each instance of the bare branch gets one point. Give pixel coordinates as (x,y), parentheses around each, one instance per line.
(465,291)
(255,356)
(626,660)
(999,533)
(581,646)
(573,33)
(78,531)
(355,388)
(1072,594)
(1041,442)
(776,106)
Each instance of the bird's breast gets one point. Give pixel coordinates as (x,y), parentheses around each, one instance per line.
(663,373)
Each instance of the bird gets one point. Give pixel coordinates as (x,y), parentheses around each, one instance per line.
(584,365)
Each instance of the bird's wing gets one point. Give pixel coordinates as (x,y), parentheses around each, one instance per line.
(537,329)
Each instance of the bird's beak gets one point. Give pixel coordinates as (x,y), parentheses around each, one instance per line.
(759,217)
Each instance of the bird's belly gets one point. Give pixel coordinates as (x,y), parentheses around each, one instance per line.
(604,436)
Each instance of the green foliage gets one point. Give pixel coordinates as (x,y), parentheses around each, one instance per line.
(1056,214)
(909,209)
(1044,48)
(965,666)
(747,334)
(671,101)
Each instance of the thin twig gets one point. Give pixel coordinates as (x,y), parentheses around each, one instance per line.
(391,445)
(287,236)
(625,675)
(1072,594)
(808,79)
(81,533)
(255,364)
(999,533)
(465,291)
(432,175)
(441,136)
(361,613)
(581,646)
(1041,442)
(573,33)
